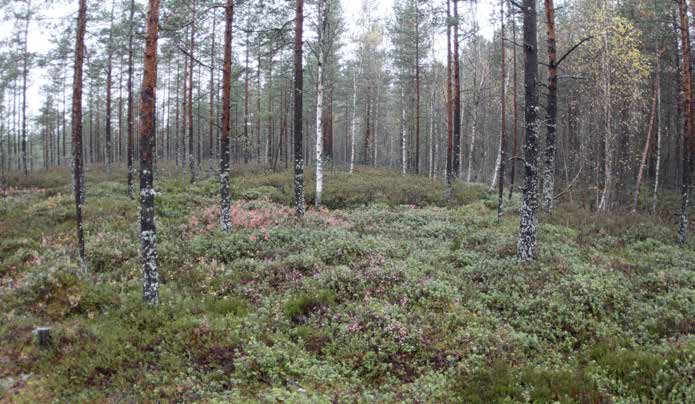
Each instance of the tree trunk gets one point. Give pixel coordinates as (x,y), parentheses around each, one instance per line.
(354,122)
(298,111)
(25,74)
(526,246)
(417,91)
(77,127)
(226,100)
(503,134)
(658,136)
(109,70)
(687,122)
(131,190)
(647,143)
(457,96)
(191,149)
(148,104)
(323,17)
(211,126)
(515,147)
(404,160)
(449,105)
(551,120)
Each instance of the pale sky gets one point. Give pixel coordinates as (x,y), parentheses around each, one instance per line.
(40,33)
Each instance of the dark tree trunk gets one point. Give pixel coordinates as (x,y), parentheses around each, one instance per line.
(503,133)
(457,97)
(245,144)
(688,144)
(526,248)
(449,105)
(131,189)
(211,129)
(226,98)
(148,105)
(191,146)
(417,91)
(515,105)
(77,127)
(647,143)
(298,111)
(25,74)
(109,71)
(551,120)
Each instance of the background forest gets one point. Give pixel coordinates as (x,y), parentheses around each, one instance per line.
(323,200)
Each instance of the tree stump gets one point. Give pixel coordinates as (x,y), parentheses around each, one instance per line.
(42,337)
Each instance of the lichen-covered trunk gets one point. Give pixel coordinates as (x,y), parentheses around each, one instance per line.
(129,152)
(25,74)
(319,137)
(109,71)
(148,105)
(77,128)
(404,160)
(225,221)
(191,145)
(354,123)
(657,172)
(551,119)
(515,106)
(417,91)
(298,111)
(688,143)
(457,96)
(607,197)
(211,126)
(503,133)
(526,246)
(449,105)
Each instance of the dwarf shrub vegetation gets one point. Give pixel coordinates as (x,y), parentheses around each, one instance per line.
(389,292)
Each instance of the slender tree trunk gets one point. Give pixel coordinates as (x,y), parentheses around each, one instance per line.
(404,160)
(323,16)
(658,135)
(25,74)
(474,128)
(109,70)
(298,111)
(687,122)
(148,105)
(503,134)
(354,122)
(131,189)
(647,143)
(607,197)
(430,162)
(449,105)
(77,128)
(515,147)
(551,120)
(457,95)
(191,146)
(417,90)
(526,247)
(226,100)
(211,126)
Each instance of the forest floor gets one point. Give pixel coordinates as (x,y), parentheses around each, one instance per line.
(388,294)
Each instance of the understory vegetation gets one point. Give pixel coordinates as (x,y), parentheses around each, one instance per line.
(389,293)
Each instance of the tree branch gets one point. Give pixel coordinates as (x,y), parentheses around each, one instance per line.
(572,49)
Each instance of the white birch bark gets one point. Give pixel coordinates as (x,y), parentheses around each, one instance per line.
(319,137)
(354,118)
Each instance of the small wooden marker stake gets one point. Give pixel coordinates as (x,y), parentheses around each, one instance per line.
(43,337)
